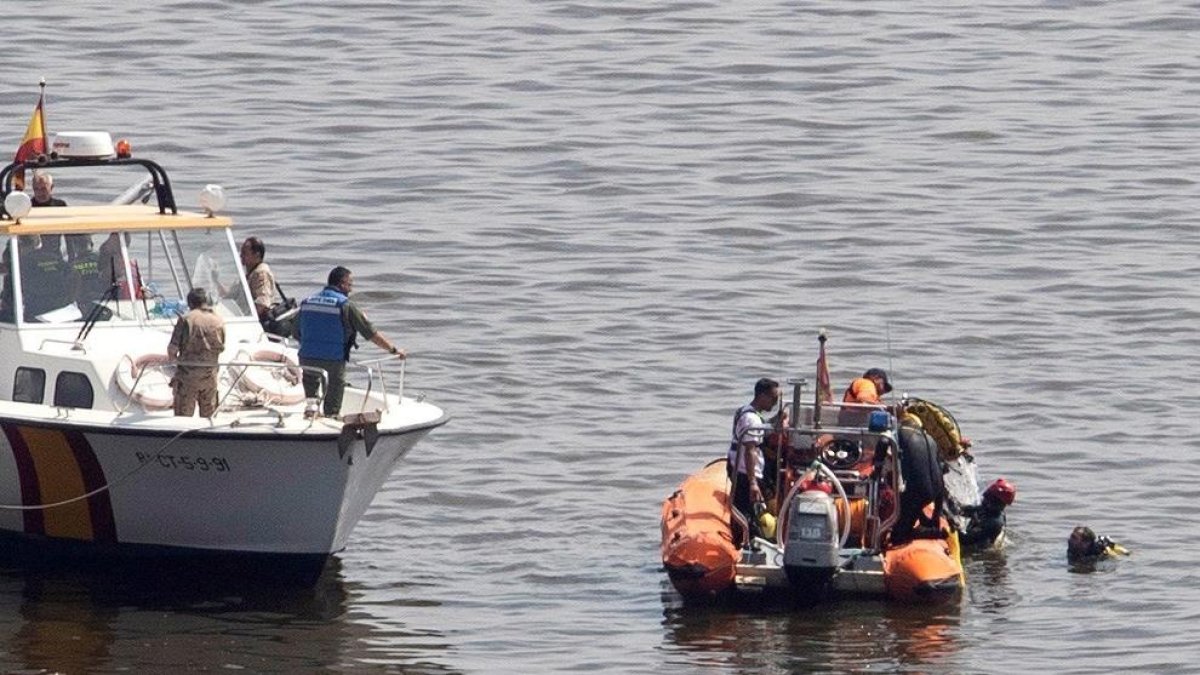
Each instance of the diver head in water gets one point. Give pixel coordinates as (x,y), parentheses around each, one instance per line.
(1084,545)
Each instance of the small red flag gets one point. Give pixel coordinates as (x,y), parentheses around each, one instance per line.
(34,142)
(824,388)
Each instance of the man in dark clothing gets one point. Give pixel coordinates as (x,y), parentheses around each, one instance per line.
(43,195)
(87,284)
(922,472)
(1085,547)
(43,277)
(43,190)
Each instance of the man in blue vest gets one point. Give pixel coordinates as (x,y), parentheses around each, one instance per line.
(327,326)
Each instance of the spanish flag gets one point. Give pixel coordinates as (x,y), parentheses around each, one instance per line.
(34,143)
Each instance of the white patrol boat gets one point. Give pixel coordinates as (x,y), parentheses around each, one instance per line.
(94,465)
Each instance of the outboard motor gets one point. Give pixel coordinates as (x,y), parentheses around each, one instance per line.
(810,554)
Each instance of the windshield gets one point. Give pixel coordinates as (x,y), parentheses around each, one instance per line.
(76,277)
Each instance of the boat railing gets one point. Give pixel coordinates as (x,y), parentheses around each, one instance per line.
(237,366)
(834,415)
(241,367)
(851,454)
(376,370)
(75,344)
(157,176)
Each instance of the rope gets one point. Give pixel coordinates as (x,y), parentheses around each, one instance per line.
(107,486)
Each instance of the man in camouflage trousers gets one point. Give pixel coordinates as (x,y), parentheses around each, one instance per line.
(198,338)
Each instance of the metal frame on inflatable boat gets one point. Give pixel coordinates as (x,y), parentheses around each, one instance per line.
(860,569)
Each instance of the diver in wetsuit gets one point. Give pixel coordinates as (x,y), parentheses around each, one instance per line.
(1084,546)
(986,520)
(922,472)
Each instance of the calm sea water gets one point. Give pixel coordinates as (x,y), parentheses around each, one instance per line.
(595,224)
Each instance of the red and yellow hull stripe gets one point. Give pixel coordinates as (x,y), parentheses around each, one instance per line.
(55,465)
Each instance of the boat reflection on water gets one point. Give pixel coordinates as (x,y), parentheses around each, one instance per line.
(992,590)
(848,636)
(64,621)
(56,633)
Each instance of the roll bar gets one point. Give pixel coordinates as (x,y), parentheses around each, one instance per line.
(164,196)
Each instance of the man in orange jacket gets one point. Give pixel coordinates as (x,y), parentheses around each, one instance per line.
(869,388)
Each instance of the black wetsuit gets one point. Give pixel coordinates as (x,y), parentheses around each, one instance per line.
(986,523)
(923,484)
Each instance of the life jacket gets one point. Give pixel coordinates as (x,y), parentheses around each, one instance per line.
(735,445)
(322,329)
(861,390)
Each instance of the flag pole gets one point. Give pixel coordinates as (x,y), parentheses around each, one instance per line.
(822,380)
(42,100)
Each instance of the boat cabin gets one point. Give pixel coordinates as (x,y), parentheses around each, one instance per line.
(87,286)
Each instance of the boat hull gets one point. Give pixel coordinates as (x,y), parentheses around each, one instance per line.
(141,490)
(168,565)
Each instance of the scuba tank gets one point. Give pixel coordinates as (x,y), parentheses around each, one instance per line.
(810,553)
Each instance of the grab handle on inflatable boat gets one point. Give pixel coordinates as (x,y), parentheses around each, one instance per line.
(819,467)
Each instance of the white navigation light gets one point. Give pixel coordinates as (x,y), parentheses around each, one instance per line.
(18,205)
(83,145)
(212,199)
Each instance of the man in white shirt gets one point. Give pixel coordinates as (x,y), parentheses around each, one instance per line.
(745,457)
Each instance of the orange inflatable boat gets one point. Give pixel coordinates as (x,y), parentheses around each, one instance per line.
(840,492)
(702,560)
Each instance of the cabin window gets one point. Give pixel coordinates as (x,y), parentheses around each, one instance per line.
(29,385)
(172,262)
(163,264)
(73,390)
(48,281)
